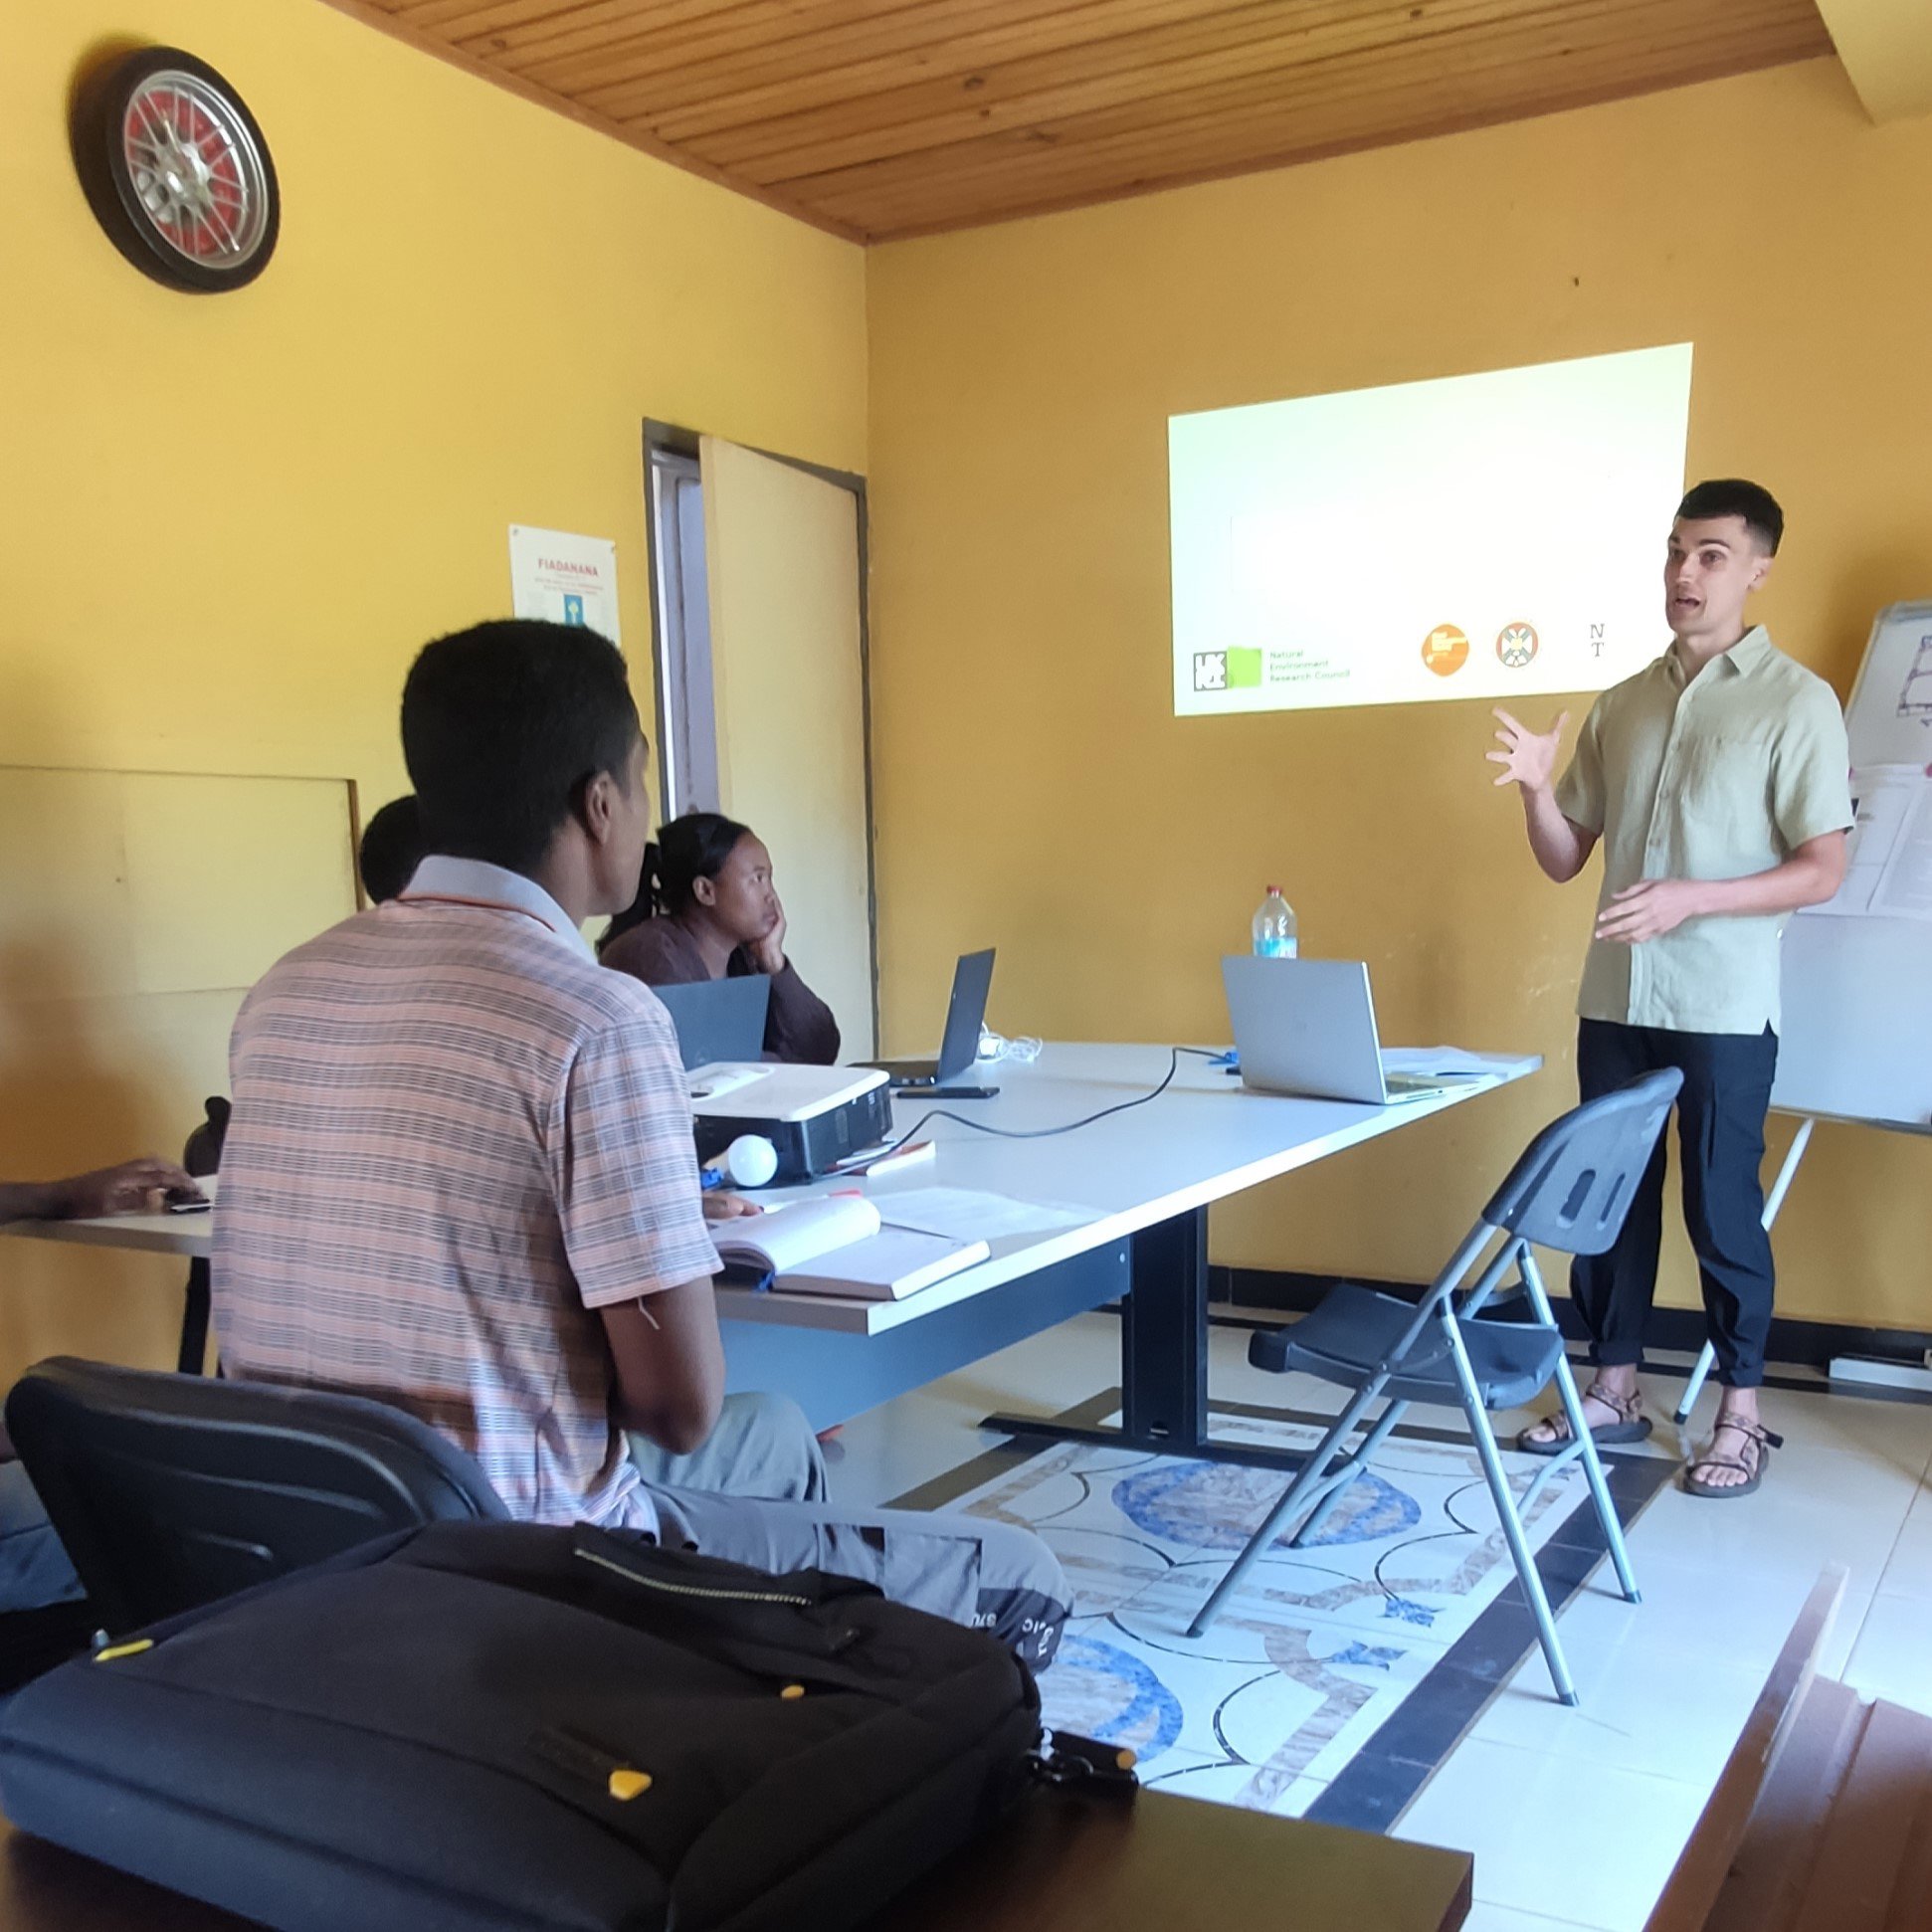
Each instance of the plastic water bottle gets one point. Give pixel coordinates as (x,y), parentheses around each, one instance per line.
(1274,936)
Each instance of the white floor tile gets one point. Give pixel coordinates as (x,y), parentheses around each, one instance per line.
(1647,1704)
(1592,1844)
(1908,1571)
(1893,1658)
(1693,1609)
(1817,1506)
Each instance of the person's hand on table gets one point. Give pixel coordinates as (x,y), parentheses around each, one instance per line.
(1649,908)
(134,1187)
(729,1206)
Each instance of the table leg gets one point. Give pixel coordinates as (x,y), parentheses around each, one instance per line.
(1164,1336)
(1163,1358)
(194,1320)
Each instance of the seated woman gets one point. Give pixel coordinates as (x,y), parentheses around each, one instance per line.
(705,910)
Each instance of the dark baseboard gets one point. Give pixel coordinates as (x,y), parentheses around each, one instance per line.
(1812,1344)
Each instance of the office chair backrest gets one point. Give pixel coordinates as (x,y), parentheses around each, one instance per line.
(172,1491)
(1573,1185)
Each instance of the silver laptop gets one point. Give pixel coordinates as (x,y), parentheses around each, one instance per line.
(1307,1027)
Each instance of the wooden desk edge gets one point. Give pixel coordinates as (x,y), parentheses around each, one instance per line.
(1065,1864)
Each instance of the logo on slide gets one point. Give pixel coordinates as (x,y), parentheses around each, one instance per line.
(1446,651)
(1516,645)
(1237,668)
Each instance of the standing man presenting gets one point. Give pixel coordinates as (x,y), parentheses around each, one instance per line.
(1717,779)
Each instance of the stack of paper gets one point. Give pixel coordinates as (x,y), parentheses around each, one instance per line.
(838,1245)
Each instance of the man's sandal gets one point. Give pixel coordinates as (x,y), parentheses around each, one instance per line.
(1762,1441)
(1632,1424)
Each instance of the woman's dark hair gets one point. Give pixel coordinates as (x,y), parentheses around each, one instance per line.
(687,849)
(392,849)
(503,725)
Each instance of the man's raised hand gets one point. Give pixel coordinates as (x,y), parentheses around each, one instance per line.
(1527,758)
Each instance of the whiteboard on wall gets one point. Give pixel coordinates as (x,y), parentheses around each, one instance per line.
(1858,985)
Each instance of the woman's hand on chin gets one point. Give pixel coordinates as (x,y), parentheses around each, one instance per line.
(768,953)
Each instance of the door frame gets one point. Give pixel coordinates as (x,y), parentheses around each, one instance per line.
(674,440)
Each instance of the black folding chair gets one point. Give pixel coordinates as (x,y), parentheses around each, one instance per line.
(1570,1191)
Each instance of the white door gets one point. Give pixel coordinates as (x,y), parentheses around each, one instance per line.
(781,552)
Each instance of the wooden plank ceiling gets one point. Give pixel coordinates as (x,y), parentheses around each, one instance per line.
(880,119)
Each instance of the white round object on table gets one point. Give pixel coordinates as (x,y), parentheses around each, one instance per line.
(750,1161)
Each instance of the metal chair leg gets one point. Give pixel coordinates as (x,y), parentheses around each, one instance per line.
(1707,1361)
(1593,1469)
(1586,1444)
(1306,1478)
(1358,1461)
(1527,1572)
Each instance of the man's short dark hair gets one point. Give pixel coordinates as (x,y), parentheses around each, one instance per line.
(503,725)
(1733,496)
(392,849)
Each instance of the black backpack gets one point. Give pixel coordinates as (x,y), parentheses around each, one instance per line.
(494,1725)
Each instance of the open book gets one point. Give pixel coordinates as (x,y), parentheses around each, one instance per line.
(837,1245)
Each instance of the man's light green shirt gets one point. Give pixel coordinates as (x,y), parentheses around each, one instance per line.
(1717,777)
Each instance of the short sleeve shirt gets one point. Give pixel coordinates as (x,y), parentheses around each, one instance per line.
(1718,775)
(455,1139)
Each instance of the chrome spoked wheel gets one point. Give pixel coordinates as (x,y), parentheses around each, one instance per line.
(178,172)
(196,168)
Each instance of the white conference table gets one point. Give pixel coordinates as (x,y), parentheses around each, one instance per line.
(1143,1181)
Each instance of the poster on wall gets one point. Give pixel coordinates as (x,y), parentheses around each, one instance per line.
(563,578)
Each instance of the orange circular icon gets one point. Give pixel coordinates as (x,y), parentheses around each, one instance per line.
(1446,651)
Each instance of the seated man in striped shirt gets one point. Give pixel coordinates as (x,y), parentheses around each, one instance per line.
(460,1176)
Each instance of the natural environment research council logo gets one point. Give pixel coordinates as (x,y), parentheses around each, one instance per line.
(1237,668)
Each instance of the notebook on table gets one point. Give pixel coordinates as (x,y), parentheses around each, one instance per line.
(837,1245)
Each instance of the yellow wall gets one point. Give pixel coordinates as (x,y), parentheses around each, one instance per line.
(225,523)
(1035,791)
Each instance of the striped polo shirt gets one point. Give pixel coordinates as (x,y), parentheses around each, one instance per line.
(455,1137)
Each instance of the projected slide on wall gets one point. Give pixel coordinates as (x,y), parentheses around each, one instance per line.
(1490,536)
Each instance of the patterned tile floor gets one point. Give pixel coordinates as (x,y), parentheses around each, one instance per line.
(1404,1602)
(1575,1817)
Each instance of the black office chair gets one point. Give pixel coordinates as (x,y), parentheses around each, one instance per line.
(172,1491)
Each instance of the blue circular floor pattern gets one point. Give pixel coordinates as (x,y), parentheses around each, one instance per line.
(1216,1506)
(1105,1692)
